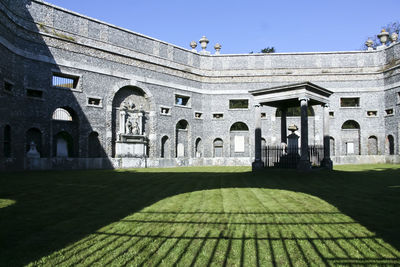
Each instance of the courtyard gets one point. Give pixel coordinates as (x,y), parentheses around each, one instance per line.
(201,216)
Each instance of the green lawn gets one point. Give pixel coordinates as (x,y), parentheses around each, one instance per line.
(201,216)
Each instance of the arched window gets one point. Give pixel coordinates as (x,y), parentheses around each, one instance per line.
(7,141)
(164,147)
(64,145)
(239,126)
(34,135)
(181,138)
(182,125)
(218,145)
(350,124)
(294,112)
(61,114)
(351,137)
(332,145)
(198,148)
(94,145)
(390,144)
(372,145)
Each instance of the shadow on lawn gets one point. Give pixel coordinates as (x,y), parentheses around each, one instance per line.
(53,210)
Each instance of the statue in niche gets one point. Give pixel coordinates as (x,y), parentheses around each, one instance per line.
(132,125)
(128,105)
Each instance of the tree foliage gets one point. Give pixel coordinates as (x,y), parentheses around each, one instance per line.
(390,28)
(266,50)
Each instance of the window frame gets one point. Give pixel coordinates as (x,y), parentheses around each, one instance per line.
(217,113)
(100,105)
(165,107)
(238,99)
(350,97)
(75,77)
(34,90)
(201,115)
(188,103)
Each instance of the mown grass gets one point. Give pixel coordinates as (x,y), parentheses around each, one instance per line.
(201,216)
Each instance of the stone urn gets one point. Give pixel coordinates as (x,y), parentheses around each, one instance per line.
(203,43)
(383,36)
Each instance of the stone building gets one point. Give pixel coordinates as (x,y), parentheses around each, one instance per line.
(80,93)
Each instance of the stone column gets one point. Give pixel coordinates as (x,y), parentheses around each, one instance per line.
(122,115)
(283,126)
(304,163)
(326,162)
(258,163)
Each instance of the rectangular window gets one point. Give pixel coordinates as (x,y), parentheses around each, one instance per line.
(93,101)
(389,111)
(347,102)
(64,81)
(331,114)
(164,111)
(198,115)
(263,115)
(182,100)
(372,113)
(398,97)
(218,116)
(238,104)
(8,86)
(34,93)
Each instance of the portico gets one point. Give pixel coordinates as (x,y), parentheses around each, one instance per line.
(293,95)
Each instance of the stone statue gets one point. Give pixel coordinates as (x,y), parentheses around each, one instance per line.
(132,125)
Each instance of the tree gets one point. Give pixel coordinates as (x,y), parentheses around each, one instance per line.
(390,28)
(266,50)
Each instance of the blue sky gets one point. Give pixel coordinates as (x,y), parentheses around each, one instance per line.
(244,26)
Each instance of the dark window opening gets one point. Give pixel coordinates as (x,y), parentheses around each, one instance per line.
(164,111)
(331,114)
(390,140)
(238,103)
(164,144)
(198,115)
(34,93)
(350,125)
(263,115)
(182,100)
(65,81)
(239,126)
(372,113)
(94,101)
(218,115)
(346,102)
(8,86)
(389,111)
(182,125)
(94,145)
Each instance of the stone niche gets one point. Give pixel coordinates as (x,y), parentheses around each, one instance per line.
(130,116)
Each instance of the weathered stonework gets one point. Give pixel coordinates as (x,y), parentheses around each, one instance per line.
(38,40)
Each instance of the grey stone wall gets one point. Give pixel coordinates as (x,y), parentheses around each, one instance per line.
(38,39)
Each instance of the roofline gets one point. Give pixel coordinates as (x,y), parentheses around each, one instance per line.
(291,86)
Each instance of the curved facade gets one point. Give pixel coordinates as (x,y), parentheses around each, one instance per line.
(185,102)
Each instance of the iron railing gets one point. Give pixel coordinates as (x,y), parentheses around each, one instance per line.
(278,156)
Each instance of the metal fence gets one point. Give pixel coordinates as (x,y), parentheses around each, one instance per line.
(278,156)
